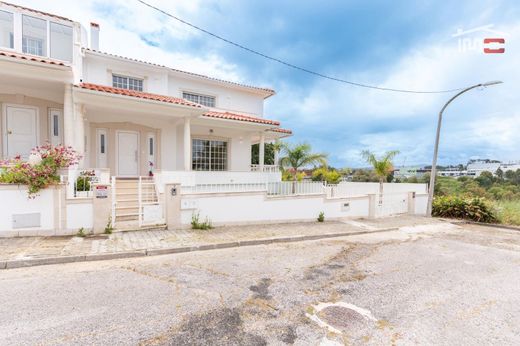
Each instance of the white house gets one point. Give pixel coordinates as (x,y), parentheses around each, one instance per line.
(119,113)
(129,118)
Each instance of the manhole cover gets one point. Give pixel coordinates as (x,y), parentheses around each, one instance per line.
(342,318)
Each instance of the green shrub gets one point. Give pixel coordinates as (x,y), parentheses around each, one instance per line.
(81,233)
(508,212)
(324,174)
(197,224)
(109,228)
(475,209)
(321,217)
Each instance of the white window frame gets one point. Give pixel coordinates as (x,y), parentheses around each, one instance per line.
(13,28)
(199,95)
(128,78)
(53,112)
(211,139)
(101,158)
(151,156)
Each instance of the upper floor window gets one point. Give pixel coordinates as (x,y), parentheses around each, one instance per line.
(129,83)
(6,30)
(61,41)
(34,39)
(205,100)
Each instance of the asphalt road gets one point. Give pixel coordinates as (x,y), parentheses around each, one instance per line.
(428,285)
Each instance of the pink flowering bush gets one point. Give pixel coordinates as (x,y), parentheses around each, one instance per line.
(41,170)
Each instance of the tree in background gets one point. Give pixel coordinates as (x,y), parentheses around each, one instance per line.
(269,150)
(297,156)
(383,167)
(331,176)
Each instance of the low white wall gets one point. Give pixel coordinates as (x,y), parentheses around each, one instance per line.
(235,208)
(360,188)
(79,215)
(14,200)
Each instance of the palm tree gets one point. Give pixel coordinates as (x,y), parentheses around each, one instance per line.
(383,167)
(300,155)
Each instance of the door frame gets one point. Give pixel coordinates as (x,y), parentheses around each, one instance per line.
(4,124)
(138,152)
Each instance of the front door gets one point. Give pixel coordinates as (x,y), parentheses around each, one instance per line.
(20,131)
(128,153)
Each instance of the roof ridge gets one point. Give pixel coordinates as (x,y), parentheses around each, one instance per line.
(267,90)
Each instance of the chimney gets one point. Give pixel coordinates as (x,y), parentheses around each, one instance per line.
(94,36)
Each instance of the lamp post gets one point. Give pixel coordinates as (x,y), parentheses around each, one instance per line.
(436,149)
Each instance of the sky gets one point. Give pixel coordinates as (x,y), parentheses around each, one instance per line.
(395,44)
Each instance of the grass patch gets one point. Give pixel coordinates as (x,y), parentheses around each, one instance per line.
(508,212)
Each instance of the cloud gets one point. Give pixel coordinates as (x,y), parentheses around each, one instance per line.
(482,122)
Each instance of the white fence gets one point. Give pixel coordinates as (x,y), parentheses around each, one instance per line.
(281,188)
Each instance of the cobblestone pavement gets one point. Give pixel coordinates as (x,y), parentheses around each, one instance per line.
(41,247)
(428,284)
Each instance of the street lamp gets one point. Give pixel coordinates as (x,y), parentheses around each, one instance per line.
(435,151)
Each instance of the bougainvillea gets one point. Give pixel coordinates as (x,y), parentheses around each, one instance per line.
(41,169)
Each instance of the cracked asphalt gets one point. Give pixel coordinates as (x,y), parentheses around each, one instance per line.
(438,284)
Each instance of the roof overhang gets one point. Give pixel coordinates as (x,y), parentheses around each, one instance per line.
(15,65)
(105,100)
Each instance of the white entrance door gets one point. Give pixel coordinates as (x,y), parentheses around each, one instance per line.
(128,153)
(20,131)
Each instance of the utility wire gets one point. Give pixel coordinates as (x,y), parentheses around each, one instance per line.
(291,65)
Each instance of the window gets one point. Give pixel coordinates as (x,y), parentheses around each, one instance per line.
(55,125)
(209,155)
(6,29)
(129,83)
(34,39)
(150,144)
(61,42)
(205,100)
(102,143)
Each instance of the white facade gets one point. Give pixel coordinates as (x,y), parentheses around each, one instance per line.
(128,116)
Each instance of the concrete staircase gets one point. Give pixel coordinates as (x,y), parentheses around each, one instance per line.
(126,204)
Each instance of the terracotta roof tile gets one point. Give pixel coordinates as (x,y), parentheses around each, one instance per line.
(289,132)
(36,11)
(138,94)
(240,117)
(33,58)
(270,92)
(176,100)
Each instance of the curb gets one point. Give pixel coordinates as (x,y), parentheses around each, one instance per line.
(31,262)
(494,225)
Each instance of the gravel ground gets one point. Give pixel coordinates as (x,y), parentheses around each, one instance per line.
(425,284)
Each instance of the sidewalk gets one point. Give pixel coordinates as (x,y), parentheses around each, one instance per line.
(31,251)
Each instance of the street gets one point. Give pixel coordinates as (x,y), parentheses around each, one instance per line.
(439,284)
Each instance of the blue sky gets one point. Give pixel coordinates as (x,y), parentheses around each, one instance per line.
(399,44)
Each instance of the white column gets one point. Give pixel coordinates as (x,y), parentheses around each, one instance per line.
(68,116)
(276,156)
(79,132)
(261,152)
(187,144)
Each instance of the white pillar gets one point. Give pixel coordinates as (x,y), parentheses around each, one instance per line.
(276,155)
(68,117)
(187,144)
(79,132)
(261,152)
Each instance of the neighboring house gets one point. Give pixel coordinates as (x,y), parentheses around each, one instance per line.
(122,114)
